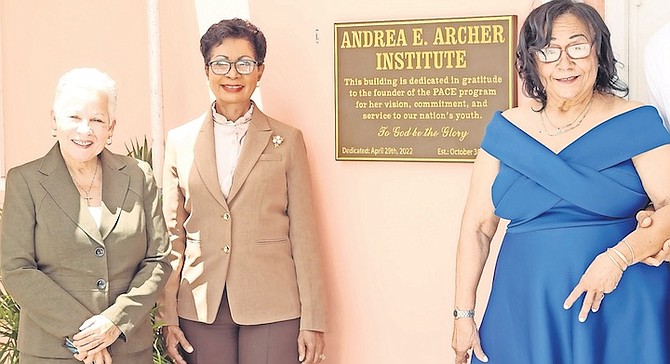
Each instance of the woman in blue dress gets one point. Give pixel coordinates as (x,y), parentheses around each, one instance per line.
(569,170)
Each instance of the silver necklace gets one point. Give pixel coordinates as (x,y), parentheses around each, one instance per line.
(87,191)
(565,128)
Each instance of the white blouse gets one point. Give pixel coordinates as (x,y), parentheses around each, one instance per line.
(96,212)
(228,140)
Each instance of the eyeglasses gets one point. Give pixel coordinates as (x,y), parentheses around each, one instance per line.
(553,54)
(222,67)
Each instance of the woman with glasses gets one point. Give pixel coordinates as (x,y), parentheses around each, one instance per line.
(569,169)
(247,285)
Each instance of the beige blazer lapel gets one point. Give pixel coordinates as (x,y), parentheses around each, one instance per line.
(205,158)
(256,140)
(59,185)
(115,184)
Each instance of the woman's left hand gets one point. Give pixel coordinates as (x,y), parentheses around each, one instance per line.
(601,277)
(310,347)
(102,357)
(96,334)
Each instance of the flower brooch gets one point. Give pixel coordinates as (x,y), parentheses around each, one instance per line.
(277,140)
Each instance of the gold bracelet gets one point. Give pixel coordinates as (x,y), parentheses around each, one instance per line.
(632,253)
(620,255)
(614,260)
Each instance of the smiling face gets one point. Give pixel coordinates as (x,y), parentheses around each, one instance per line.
(569,80)
(82,123)
(233,89)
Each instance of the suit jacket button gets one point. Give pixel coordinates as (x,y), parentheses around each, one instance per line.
(226,249)
(226,216)
(101,284)
(99,252)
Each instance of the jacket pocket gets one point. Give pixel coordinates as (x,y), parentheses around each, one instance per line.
(272,241)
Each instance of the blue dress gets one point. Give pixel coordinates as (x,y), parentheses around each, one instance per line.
(564,209)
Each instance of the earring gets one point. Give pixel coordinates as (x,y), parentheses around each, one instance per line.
(109,141)
(53,132)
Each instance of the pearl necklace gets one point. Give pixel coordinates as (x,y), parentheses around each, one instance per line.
(565,128)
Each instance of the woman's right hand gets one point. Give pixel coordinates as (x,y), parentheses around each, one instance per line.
(466,337)
(173,338)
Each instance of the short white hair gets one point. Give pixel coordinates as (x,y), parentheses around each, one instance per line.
(89,78)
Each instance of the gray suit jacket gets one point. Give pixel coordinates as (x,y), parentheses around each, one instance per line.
(61,269)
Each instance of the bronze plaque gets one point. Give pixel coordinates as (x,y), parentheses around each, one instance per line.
(421,90)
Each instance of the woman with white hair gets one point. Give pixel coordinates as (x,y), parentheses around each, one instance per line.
(83,242)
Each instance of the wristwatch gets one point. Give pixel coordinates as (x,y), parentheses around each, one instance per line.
(463,313)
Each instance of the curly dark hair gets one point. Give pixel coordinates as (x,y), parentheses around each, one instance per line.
(535,34)
(233,29)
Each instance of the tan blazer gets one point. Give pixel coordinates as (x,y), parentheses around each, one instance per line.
(260,244)
(61,269)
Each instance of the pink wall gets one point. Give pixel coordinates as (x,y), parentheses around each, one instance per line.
(389,229)
(43,39)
